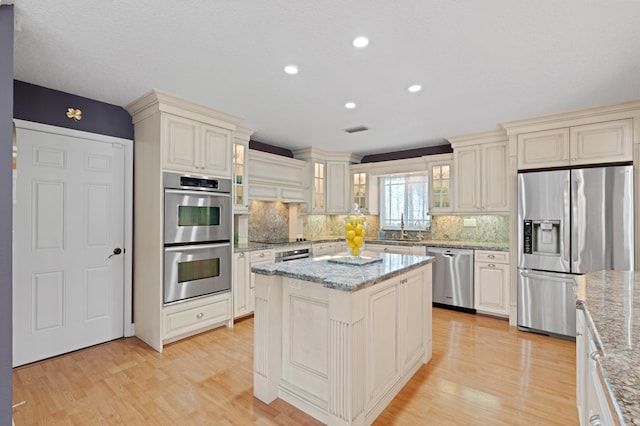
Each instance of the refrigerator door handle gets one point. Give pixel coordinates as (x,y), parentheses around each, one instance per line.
(567,224)
(558,277)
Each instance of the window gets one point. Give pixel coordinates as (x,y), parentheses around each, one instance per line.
(404,198)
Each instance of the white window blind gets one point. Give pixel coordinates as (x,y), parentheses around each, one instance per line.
(404,197)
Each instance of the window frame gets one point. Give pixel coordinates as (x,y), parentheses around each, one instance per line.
(409,221)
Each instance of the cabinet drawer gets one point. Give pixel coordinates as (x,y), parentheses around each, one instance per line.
(491,256)
(264,256)
(187,317)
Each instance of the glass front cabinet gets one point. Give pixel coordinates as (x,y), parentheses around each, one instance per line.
(240,165)
(440,200)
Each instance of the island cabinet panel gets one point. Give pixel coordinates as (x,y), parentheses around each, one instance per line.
(383,364)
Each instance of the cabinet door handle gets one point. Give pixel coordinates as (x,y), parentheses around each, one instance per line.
(595,420)
(200,315)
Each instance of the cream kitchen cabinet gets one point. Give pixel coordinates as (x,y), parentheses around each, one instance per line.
(192,146)
(365,189)
(392,248)
(276,178)
(243,300)
(243,286)
(173,134)
(337,188)
(240,166)
(440,183)
(592,396)
(329,180)
(194,316)
(325,249)
(491,282)
(481,172)
(595,143)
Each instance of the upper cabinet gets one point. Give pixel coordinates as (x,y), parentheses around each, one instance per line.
(604,142)
(480,164)
(276,178)
(365,189)
(196,147)
(588,136)
(240,166)
(328,176)
(440,177)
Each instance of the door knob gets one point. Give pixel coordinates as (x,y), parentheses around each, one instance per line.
(116,251)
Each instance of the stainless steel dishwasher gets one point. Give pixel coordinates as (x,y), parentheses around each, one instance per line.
(453,277)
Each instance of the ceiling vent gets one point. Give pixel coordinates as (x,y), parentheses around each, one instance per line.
(356,129)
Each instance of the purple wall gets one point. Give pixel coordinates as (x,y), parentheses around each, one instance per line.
(271,149)
(410,153)
(6,207)
(48,106)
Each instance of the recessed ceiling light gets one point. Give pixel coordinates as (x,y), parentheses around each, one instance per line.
(414,88)
(360,42)
(291,69)
(350,105)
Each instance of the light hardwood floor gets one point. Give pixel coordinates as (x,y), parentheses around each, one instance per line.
(482,372)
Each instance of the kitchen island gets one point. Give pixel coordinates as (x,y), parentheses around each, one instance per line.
(608,347)
(339,341)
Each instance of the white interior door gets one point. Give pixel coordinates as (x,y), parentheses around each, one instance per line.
(68,219)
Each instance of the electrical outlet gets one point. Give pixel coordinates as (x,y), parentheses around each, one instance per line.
(469,222)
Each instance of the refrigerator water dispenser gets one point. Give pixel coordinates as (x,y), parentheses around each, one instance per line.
(542,237)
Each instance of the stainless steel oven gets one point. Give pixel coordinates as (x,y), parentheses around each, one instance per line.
(196,209)
(197,236)
(196,270)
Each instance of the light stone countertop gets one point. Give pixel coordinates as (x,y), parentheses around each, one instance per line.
(611,302)
(345,277)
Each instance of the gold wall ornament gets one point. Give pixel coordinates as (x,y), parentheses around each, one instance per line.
(76,114)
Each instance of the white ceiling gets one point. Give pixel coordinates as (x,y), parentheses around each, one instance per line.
(479,62)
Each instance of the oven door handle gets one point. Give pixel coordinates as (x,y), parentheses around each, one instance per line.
(198,193)
(196,247)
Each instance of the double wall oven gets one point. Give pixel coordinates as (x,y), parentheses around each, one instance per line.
(197,236)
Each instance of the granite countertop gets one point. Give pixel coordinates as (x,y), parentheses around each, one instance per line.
(345,277)
(473,245)
(611,301)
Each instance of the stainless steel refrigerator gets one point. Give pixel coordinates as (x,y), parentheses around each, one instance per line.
(570,222)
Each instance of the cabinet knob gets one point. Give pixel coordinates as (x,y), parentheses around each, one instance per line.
(241,254)
(261,254)
(491,265)
(595,420)
(578,334)
(594,355)
(200,315)
(491,256)
(386,249)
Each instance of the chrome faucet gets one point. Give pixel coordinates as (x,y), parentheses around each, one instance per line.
(419,235)
(403,233)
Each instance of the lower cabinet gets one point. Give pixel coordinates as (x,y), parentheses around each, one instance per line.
(491,282)
(189,317)
(243,287)
(328,248)
(591,395)
(392,248)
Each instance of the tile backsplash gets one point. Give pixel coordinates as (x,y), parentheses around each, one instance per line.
(494,229)
(319,226)
(268,220)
